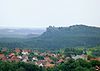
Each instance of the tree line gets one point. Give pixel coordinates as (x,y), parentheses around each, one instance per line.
(70,65)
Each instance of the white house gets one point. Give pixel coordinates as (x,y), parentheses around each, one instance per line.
(25,53)
(79,57)
(34,59)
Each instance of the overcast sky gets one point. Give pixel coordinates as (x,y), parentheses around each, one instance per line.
(42,13)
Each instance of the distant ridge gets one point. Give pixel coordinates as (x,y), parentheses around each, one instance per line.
(78,30)
(59,37)
(72,36)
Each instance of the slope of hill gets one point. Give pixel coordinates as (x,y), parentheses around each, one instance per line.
(73,36)
(75,30)
(59,37)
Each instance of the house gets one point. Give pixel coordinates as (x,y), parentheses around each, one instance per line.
(36,52)
(1,55)
(48,59)
(54,55)
(34,59)
(14,58)
(25,58)
(79,57)
(43,54)
(60,61)
(4,50)
(98,58)
(67,58)
(4,58)
(20,57)
(25,52)
(11,54)
(17,50)
(85,57)
(41,65)
(48,65)
(97,68)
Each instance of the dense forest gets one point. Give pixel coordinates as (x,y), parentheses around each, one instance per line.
(58,37)
(71,65)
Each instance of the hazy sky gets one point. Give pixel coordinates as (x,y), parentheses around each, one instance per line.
(42,13)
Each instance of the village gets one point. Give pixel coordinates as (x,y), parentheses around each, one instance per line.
(43,59)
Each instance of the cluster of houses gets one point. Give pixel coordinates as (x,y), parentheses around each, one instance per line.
(43,59)
(46,59)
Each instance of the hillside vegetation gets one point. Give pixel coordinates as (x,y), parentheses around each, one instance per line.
(58,37)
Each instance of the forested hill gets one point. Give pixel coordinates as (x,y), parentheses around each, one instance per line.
(72,31)
(59,37)
(73,36)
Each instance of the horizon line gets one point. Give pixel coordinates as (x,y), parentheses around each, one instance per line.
(41,27)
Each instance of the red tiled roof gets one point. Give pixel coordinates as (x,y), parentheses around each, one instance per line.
(49,65)
(4,49)
(17,50)
(2,55)
(4,58)
(14,58)
(11,54)
(98,59)
(61,60)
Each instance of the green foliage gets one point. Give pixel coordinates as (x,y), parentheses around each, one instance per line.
(40,57)
(54,59)
(18,66)
(70,51)
(78,65)
(20,69)
(71,65)
(58,37)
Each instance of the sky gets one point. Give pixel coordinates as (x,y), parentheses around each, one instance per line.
(43,13)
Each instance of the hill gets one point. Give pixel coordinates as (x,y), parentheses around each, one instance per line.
(72,36)
(75,30)
(59,37)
